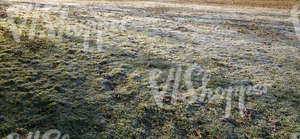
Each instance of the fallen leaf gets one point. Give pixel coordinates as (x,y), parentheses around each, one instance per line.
(278,95)
(198,133)
(275,122)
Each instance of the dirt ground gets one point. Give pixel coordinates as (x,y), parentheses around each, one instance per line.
(92,81)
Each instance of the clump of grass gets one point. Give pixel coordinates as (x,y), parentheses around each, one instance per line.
(219,82)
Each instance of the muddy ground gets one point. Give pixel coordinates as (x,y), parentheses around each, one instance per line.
(88,87)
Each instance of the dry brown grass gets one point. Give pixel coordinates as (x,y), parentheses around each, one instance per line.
(282,4)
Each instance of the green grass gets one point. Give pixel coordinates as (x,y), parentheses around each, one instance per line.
(54,84)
